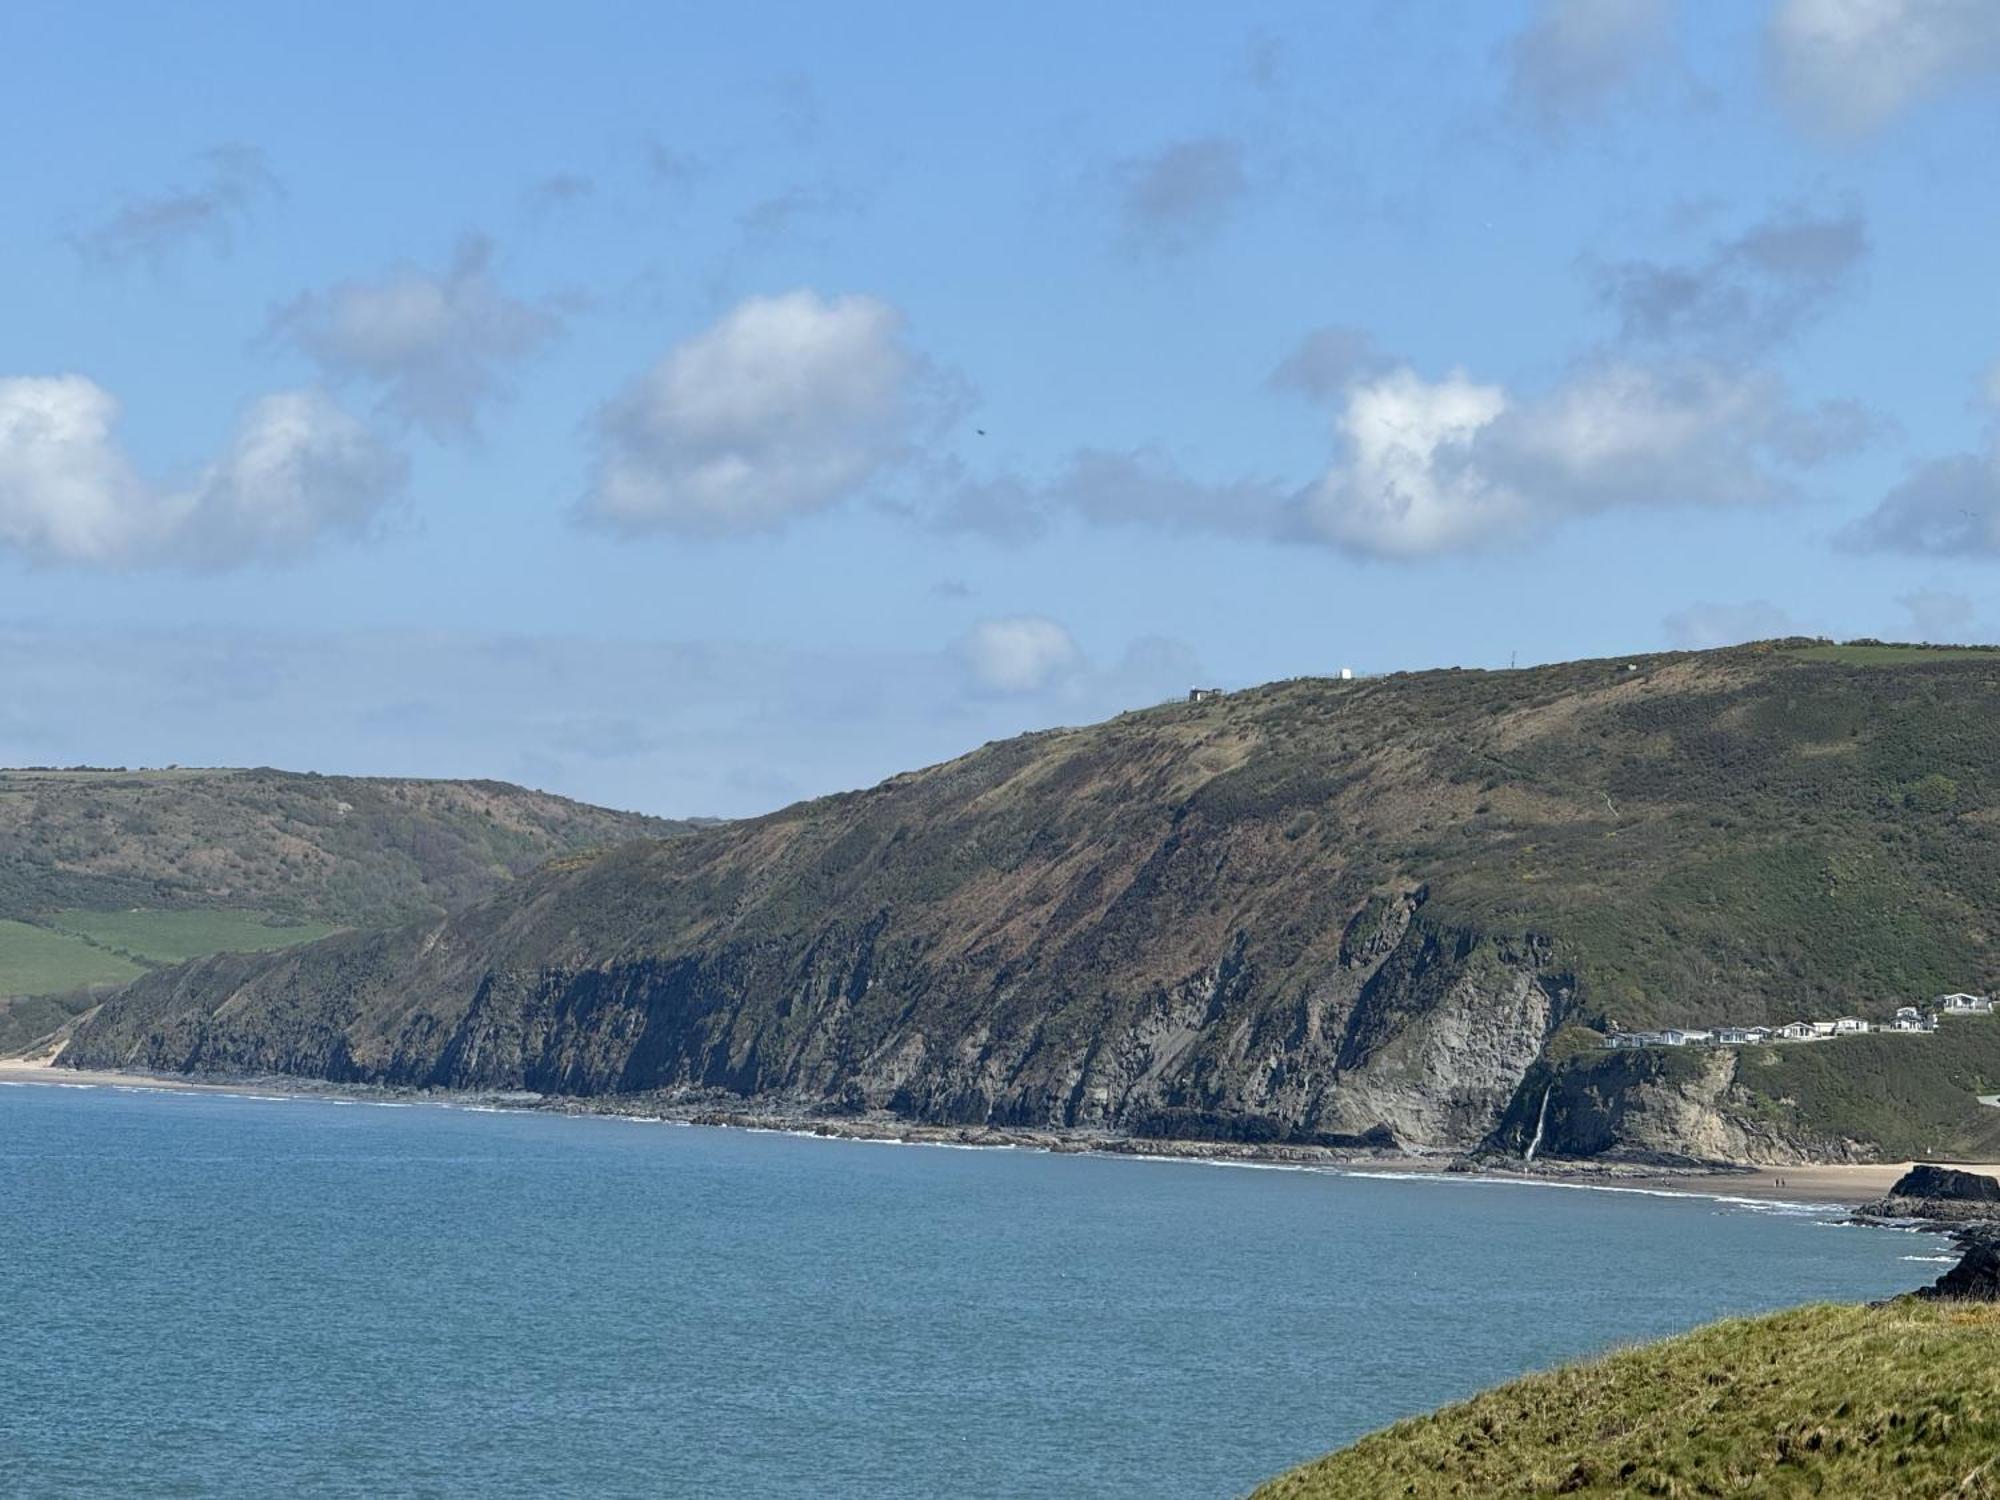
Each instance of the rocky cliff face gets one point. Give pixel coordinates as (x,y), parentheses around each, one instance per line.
(1418,1036)
(1672,1108)
(1316,911)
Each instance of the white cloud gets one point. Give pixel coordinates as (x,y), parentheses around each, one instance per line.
(438,345)
(1407,488)
(1019,654)
(787,405)
(1453,464)
(1849,66)
(1703,627)
(297,468)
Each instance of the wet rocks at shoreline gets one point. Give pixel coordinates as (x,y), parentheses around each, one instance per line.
(1938,1198)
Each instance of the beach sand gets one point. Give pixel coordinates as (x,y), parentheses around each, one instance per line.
(1816,1184)
(20,1070)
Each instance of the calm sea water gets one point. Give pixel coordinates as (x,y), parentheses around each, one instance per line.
(215,1295)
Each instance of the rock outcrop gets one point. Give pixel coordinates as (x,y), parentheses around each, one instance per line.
(1941,1196)
(1976,1277)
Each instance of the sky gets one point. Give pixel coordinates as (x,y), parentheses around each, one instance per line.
(695,408)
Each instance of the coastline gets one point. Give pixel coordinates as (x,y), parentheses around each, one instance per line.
(1848,1184)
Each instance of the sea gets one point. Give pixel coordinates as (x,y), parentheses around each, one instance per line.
(214,1294)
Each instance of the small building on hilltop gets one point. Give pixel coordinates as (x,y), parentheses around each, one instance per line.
(1203,695)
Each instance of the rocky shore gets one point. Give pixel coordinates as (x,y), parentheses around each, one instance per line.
(1940,1199)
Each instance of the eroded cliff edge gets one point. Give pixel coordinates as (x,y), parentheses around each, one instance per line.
(1315,912)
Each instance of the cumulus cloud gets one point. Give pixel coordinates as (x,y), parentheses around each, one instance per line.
(297,468)
(1018,654)
(1746,293)
(234,182)
(1850,66)
(438,345)
(1425,465)
(1702,627)
(785,406)
(1181,195)
(1575,56)
(1453,464)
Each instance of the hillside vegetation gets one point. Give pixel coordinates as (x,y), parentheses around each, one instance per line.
(107,874)
(347,850)
(1314,911)
(1880,1097)
(1891,1401)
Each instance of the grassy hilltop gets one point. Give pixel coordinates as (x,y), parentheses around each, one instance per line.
(1892,1401)
(1310,911)
(106,874)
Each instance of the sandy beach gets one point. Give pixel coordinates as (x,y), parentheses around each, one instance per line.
(1816,1184)
(18,1070)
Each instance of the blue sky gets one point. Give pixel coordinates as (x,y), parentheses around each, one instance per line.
(697,408)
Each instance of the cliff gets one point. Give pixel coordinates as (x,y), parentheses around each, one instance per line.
(1850,1099)
(1315,911)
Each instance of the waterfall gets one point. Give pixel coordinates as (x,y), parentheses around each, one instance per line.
(1541,1120)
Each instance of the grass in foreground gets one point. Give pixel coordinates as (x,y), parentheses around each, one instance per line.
(1902,1400)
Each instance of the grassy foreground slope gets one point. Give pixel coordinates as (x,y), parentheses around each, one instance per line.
(1881,1402)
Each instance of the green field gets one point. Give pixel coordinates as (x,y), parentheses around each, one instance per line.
(1860,654)
(49,966)
(1897,1400)
(37,961)
(171,937)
